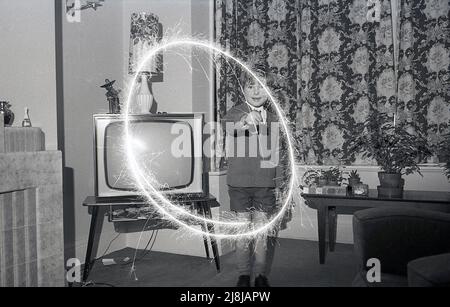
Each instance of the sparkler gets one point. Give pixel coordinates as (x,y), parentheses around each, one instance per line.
(146,184)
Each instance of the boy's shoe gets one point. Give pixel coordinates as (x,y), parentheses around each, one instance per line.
(261,282)
(243,281)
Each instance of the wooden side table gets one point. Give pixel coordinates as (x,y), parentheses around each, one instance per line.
(329,207)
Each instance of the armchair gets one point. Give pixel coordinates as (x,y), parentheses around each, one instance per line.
(413,246)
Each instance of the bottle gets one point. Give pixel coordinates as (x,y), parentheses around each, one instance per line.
(26,119)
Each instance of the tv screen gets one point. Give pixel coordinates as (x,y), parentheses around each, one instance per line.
(168,148)
(152,144)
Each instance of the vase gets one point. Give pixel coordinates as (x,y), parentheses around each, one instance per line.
(322,182)
(144,99)
(333,183)
(8,115)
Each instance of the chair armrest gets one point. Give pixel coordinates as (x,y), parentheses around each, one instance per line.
(432,271)
(396,236)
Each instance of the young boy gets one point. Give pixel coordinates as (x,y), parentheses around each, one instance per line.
(252,147)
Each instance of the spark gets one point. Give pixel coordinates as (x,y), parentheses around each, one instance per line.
(172,211)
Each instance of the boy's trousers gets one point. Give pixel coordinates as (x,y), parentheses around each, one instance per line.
(255,254)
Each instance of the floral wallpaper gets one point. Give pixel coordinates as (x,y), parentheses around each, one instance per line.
(329,67)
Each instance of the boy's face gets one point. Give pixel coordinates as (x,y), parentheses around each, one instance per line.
(255,93)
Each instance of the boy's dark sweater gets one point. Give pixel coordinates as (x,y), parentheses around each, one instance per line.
(246,170)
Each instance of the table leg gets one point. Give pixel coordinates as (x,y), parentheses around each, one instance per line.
(201,210)
(332,227)
(322,225)
(92,232)
(210,226)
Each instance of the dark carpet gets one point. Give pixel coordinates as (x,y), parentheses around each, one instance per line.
(296,264)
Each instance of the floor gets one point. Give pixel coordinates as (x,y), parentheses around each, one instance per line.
(296,264)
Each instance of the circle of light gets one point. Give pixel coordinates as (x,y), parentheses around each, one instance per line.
(140,178)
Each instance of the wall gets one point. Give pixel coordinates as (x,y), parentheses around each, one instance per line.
(27,62)
(203,94)
(92,52)
(203,74)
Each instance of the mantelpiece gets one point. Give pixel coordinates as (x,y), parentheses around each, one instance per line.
(31,210)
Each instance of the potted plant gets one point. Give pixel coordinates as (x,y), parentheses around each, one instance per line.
(314,177)
(322,179)
(332,176)
(397,152)
(354,178)
(310,177)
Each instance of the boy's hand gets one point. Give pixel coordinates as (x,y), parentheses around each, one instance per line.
(253,118)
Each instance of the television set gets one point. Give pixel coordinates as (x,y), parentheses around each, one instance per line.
(178,172)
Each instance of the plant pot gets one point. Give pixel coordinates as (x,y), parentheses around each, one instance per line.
(353,182)
(390,192)
(442,158)
(332,183)
(322,182)
(390,180)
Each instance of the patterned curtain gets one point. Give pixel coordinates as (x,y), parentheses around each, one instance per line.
(424,79)
(346,72)
(331,67)
(264,34)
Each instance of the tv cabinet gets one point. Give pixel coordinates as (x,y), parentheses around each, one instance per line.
(99,207)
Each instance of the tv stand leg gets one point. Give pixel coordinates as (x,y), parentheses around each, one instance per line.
(88,262)
(213,239)
(201,210)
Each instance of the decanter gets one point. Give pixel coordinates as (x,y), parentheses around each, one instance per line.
(26,119)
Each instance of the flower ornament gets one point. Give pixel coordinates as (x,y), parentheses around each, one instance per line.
(329,41)
(331,90)
(277,10)
(278,56)
(360,63)
(436,8)
(332,138)
(385,83)
(255,36)
(358,12)
(437,58)
(406,88)
(362,110)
